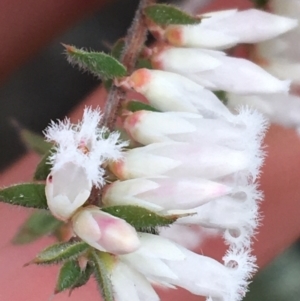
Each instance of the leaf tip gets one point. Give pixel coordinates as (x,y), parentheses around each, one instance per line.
(69,48)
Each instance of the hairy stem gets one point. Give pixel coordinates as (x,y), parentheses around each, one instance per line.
(135,39)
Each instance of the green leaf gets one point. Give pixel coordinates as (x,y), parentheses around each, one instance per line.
(35,142)
(40,223)
(30,195)
(222,96)
(61,252)
(116,52)
(100,64)
(141,218)
(84,276)
(69,275)
(164,14)
(135,106)
(143,63)
(44,168)
(117,49)
(102,263)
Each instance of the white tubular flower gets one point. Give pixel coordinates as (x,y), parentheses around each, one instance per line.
(105,232)
(280,56)
(191,236)
(208,158)
(165,91)
(164,193)
(130,285)
(80,150)
(224,29)
(168,264)
(181,159)
(150,127)
(236,214)
(283,109)
(246,78)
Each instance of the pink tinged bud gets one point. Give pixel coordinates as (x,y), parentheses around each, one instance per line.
(105,232)
(196,36)
(67,189)
(176,159)
(221,30)
(164,193)
(150,127)
(246,78)
(177,92)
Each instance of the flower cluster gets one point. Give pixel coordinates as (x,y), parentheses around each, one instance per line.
(280,57)
(195,159)
(78,161)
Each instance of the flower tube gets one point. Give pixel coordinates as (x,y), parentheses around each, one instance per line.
(246,78)
(224,29)
(164,193)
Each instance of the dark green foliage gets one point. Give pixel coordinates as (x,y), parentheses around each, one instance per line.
(31,195)
(39,223)
(164,14)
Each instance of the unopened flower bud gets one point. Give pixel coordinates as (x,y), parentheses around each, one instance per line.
(177,92)
(213,70)
(181,159)
(66,190)
(221,30)
(105,232)
(148,127)
(164,193)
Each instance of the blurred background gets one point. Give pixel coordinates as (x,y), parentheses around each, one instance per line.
(40,85)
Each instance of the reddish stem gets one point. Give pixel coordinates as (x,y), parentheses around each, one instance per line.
(135,40)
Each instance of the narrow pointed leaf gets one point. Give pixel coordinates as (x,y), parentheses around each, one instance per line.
(31,195)
(140,218)
(134,106)
(99,64)
(143,63)
(117,49)
(102,263)
(44,168)
(61,252)
(84,277)
(40,223)
(69,275)
(35,142)
(164,14)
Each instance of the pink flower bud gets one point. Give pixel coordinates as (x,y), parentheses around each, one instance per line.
(66,190)
(105,232)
